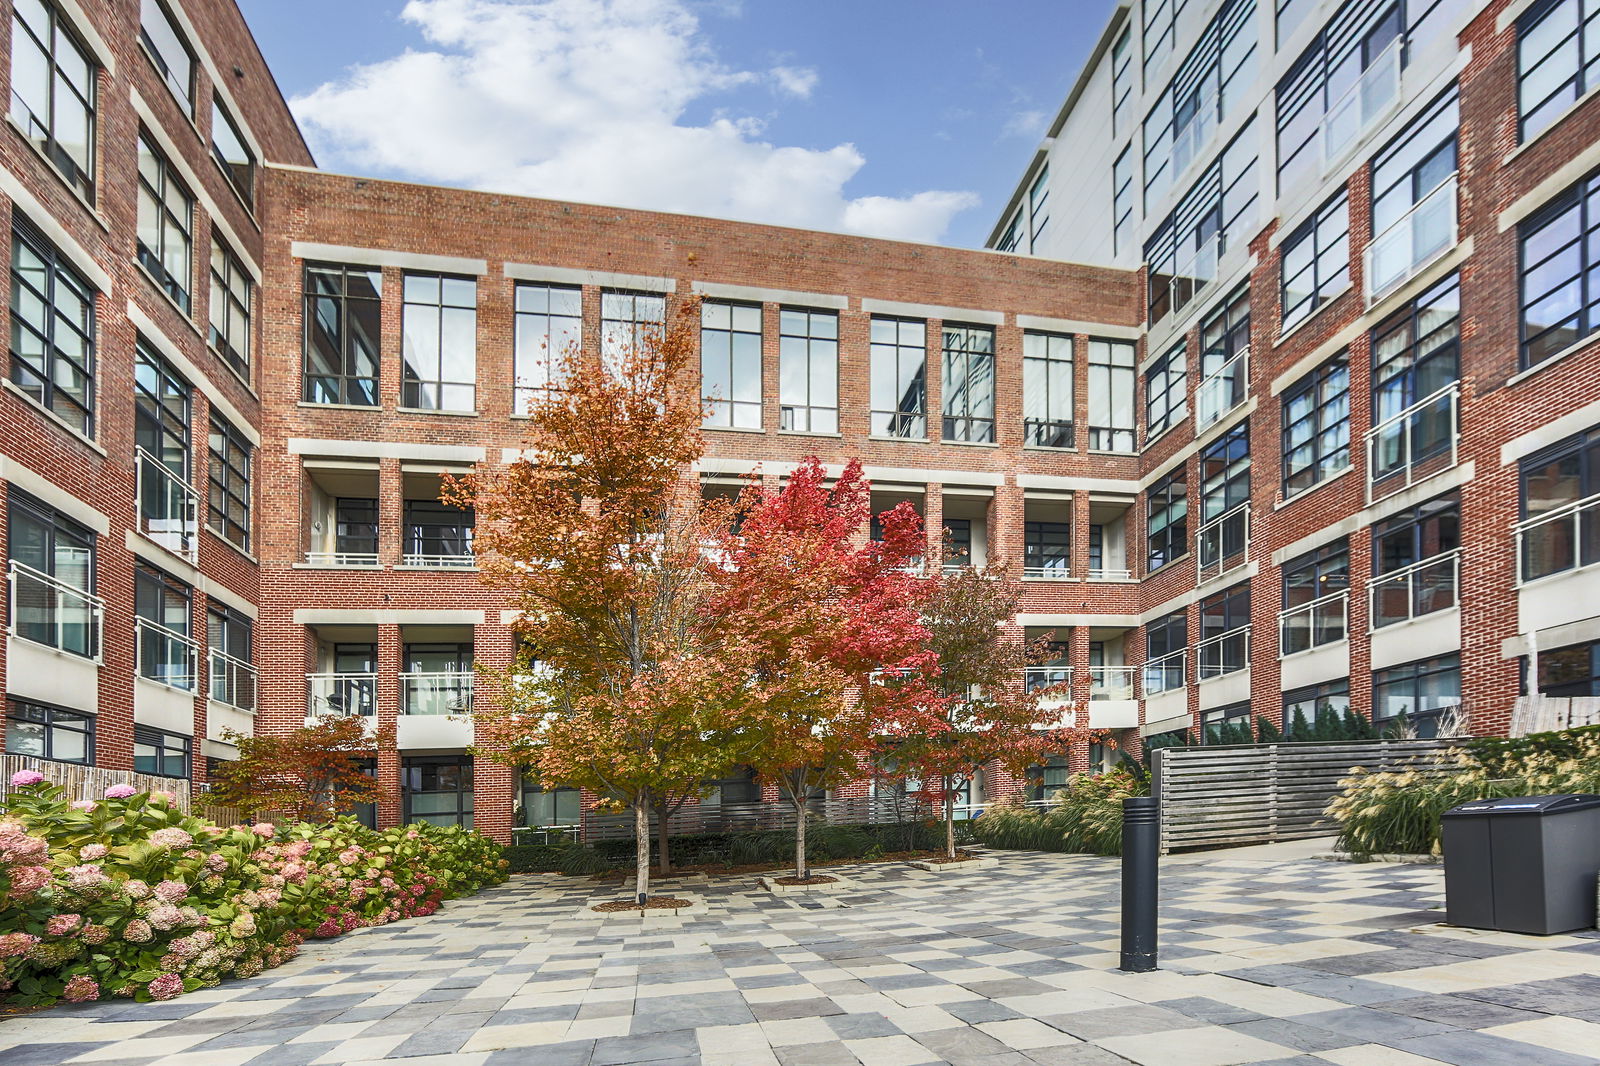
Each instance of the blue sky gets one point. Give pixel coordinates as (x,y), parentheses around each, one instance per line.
(895,117)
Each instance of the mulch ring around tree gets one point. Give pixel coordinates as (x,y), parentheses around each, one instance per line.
(814,879)
(941,859)
(655,903)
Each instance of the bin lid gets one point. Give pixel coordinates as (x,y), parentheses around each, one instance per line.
(1526,805)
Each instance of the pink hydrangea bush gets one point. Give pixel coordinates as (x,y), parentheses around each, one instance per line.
(131,897)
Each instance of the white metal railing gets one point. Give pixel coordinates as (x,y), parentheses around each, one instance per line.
(1223,544)
(546,834)
(1109,573)
(1563,539)
(1111,682)
(449,692)
(1223,653)
(1047,573)
(1037,677)
(1165,673)
(1324,620)
(342,558)
(441,562)
(169,507)
(341,693)
(1223,389)
(165,655)
(1187,142)
(1354,111)
(1419,589)
(1415,444)
(1412,241)
(233,681)
(48,611)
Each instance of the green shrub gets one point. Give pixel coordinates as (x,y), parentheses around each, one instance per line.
(1085,817)
(129,896)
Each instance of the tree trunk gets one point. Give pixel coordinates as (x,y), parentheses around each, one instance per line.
(665,858)
(801,870)
(641,857)
(949,820)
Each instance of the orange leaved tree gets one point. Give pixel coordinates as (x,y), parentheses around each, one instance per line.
(308,774)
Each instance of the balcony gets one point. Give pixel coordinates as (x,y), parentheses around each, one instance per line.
(338,559)
(1415,444)
(1038,677)
(1414,240)
(1104,573)
(1111,682)
(340,694)
(1420,589)
(165,655)
(1053,572)
(1223,390)
(1223,654)
(1354,112)
(169,507)
(441,562)
(1223,544)
(51,612)
(1567,538)
(233,681)
(436,693)
(1165,673)
(1324,620)
(1188,141)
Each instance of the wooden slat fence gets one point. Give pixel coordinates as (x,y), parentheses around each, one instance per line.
(90,782)
(1261,793)
(1546,714)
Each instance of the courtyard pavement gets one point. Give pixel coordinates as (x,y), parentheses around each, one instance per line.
(1267,957)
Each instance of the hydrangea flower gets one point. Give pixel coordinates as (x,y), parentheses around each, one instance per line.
(80,989)
(86,878)
(119,792)
(18,847)
(84,805)
(264,829)
(171,891)
(133,888)
(23,778)
(14,944)
(62,924)
(26,880)
(90,852)
(171,837)
(165,916)
(96,934)
(137,932)
(166,986)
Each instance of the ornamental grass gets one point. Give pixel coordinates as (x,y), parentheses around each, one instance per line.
(129,896)
(1085,816)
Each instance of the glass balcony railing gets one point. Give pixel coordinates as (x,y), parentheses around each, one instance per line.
(233,681)
(1354,112)
(1563,539)
(48,611)
(436,693)
(169,507)
(341,693)
(1223,390)
(1165,673)
(1222,654)
(1414,444)
(1192,137)
(1111,682)
(1417,590)
(1324,620)
(165,655)
(1038,677)
(1414,240)
(1223,544)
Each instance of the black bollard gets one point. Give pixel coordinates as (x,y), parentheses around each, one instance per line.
(1141,842)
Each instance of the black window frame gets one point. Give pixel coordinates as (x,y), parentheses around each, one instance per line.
(1327,280)
(155,192)
(725,347)
(1434,522)
(1042,373)
(241,174)
(628,320)
(1581,201)
(165,744)
(1117,362)
(547,333)
(54,527)
(1575,459)
(808,338)
(1585,73)
(184,94)
(228,476)
(232,633)
(347,511)
(60,276)
(1414,183)
(1169,499)
(1414,673)
(44,131)
(430,389)
(50,719)
(232,290)
(1322,692)
(1316,425)
(1166,391)
(350,387)
(907,418)
(1047,542)
(968,380)
(414,776)
(436,524)
(1426,360)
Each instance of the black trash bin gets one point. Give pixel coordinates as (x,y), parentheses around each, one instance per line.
(1525,864)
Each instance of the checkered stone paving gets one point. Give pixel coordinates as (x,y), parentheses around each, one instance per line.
(1268,957)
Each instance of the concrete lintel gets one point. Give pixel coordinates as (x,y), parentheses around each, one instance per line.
(336,616)
(389,257)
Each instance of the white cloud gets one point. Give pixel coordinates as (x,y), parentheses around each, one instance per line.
(586,100)
(1028,125)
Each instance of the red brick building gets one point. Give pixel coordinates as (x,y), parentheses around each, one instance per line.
(235,381)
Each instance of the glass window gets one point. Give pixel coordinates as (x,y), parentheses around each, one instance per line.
(1310,577)
(549,330)
(1047,390)
(808,370)
(1316,426)
(1038,208)
(1166,399)
(1160,26)
(1224,359)
(1111,378)
(1165,637)
(1560,271)
(166,224)
(233,153)
(1301,706)
(1416,353)
(53,577)
(1121,80)
(1413,165)
(969,384)
(1290,14)
(730,365)
(52,329)
(1011,239)
(230,306)
(1047,548)
(438,789)
(899,377)
(1167,505)
(355,526)
(230,639)
(629,322)
(46,732)
(228,501)
(1571,671)
(1216,214)
(161,606)
(1224,632)
(1219,725)
(438,530)
(342,322)
(1417,692)
(1554,480)
(1049,778)
(1316,261)
(162,410)
(547,807)
(160,753)
(1122,202)
(53,91)
(1414,572)
(1225,473)
(1558,59)
(958,542)
(439,338)
(164,44)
